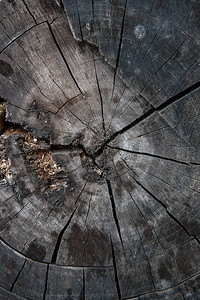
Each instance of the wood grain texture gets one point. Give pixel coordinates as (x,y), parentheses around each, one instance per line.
(99,149)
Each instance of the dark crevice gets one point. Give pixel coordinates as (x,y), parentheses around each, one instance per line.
(83,290)
(182,294)
(34,19)
(119,50)
(20,128)
(120,41)
(13,285)
(121,131)
(63,57)
(79,20)
(100,95)
(194,164)
(178,96)
(115,270)
(46,281)
(2,100)
(114,209)
(151,155)
(7,199)
(62,4)
(59,239)
(164,105)
(81,192)
(73,146)
(93,10)
(164,206)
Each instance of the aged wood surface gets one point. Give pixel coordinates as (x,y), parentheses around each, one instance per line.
(99,149)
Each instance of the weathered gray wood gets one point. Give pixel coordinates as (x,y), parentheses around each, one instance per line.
(99,149)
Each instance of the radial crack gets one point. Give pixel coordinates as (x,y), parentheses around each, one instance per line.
(59,239)
(152,110)
(60,236)
(121,38)
(151,155)
(79,20)
(115,270)
(63,57)
(100,95)
(114,209)
(16,279)
(119,49)
(34,19)
(83,290)
(178,96)
(129,126)
(46,281)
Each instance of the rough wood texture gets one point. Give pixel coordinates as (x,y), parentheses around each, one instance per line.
(99,147)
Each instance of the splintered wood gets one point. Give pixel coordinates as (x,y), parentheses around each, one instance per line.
(4,162)
(99,149)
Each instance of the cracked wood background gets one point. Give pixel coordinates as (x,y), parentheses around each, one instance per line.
(99,147)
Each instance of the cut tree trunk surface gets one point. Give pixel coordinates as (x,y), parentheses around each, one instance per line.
(100,149)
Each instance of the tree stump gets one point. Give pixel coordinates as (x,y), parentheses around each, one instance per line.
(99,147)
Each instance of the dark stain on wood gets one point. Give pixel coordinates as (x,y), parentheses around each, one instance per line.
(36,251)
(183,264)
(91,247)
(5,69)
(163,271)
